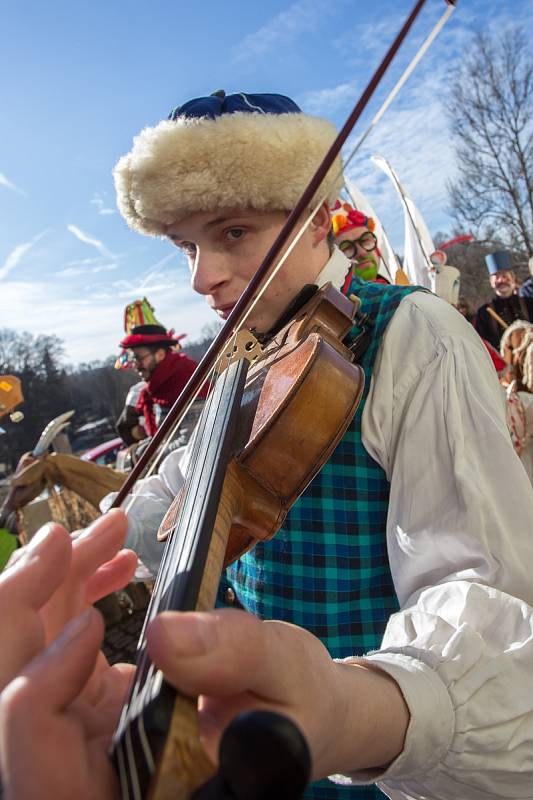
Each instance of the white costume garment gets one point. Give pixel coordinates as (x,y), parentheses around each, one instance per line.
(460,544)
(526,456)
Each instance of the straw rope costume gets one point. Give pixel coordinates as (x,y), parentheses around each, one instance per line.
(385,527)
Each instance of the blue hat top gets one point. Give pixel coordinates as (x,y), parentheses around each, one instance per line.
(498,262)
(219,103)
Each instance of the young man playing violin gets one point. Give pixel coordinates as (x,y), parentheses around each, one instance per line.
(407,663)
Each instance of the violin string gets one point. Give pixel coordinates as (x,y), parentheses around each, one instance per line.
(198,434)
(195,456)
(172,554)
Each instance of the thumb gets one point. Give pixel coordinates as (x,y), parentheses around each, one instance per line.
(227,652)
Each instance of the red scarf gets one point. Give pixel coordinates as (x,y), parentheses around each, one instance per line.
(164,386)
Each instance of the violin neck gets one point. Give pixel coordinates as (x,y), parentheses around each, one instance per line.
(156,747)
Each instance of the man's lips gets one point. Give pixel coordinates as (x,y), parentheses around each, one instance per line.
(225,310)
(364,262)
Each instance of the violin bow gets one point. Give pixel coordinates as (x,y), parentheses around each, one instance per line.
(240,310)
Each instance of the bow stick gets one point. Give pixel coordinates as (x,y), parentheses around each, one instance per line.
(240,310)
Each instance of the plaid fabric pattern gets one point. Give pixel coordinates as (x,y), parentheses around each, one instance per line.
(327,569)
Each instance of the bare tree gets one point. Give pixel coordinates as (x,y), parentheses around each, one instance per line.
(491,115)
(37,361)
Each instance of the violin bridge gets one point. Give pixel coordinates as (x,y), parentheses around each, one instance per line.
(242,345)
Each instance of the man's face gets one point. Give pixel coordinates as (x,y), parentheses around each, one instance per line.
(503,283)
(145,361)
(357,241)
(225,248)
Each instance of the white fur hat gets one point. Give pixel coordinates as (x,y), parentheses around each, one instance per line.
(222,152)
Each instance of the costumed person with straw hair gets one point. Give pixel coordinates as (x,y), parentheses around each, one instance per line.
(493,317)
(407,663)
(516,347)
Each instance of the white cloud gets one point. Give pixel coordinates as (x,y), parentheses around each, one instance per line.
(359,40)
(4,181)
(154,279)
(325,102)
(415,140)
(16,255)
(14,258)
(91,327)
(81,262)
(69,272)
(300,17)
(98,201)
(87,239)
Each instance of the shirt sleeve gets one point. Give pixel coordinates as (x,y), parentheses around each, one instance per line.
(146,507)
(460,544)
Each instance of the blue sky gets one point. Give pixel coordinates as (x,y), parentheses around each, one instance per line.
(80,79)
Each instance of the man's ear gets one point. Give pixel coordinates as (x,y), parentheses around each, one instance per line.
(160,355)
(320,224)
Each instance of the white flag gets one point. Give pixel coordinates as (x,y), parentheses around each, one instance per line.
(418,242)
(389,264)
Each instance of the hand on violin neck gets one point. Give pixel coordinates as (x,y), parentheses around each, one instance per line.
(353,716)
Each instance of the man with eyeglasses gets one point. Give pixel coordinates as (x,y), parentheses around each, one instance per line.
(355,237)
(153,350)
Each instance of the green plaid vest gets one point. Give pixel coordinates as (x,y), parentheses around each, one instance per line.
(327,569)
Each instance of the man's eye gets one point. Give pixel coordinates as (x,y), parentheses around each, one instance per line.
(188,247)
(234,233)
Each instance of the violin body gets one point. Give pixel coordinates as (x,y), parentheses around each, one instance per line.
(296,403)
(304,392)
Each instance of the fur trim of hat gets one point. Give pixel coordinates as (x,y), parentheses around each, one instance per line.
(240,160)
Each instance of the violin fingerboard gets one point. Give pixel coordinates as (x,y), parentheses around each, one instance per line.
(184,765)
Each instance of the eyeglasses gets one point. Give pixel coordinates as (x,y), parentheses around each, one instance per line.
(138,359)
(367,241)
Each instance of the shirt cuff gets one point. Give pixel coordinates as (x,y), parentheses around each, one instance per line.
(432,722)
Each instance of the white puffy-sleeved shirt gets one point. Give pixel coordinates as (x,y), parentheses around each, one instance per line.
(460,545)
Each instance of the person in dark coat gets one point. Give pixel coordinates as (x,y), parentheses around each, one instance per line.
(493,317)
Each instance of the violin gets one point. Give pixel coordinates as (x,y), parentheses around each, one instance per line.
(267,430)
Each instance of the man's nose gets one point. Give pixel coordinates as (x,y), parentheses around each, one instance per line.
(209,274)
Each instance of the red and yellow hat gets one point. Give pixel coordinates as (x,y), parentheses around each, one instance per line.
(344,217)
(142,329)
